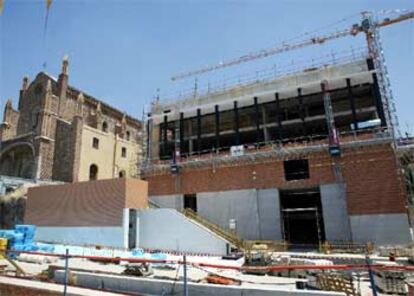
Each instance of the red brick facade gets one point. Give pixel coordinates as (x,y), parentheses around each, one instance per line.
(371,175)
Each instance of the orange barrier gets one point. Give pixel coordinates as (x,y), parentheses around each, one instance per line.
(220,280)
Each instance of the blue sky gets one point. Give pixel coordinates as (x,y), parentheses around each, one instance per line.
(123,51)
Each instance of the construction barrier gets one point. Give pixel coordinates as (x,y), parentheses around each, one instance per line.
(240,268)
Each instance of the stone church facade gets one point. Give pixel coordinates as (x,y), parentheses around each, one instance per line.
(60,133)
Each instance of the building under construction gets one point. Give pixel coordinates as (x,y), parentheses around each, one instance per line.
(306,157)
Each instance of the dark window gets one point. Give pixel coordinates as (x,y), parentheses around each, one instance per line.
(104,127)
(122,174)
(128,135)
(95,143)
(93,172)
(123,153)
(296,169)
(190,202)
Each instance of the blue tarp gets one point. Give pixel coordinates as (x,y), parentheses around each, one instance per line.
(22,239)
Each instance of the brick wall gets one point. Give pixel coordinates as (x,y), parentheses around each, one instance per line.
(75,148)
(373,182)
(45,148)
(96,203)
(62,168)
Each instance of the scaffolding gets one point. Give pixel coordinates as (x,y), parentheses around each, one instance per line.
(388,133)
(368,25)
(269,151)
(376,52)
(260,77)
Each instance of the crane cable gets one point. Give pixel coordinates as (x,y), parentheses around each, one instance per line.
(48,4)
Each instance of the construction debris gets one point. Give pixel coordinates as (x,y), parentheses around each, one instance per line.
(138,269)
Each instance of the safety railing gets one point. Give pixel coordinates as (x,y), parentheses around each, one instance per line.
(226,234)
(284,146)
(264,75)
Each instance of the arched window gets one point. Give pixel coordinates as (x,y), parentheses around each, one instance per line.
(93,172)
(105,126)
(122,174)
(128,135)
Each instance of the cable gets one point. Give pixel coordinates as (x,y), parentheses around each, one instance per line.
(48,4)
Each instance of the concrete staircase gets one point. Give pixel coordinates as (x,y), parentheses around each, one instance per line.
(218,230)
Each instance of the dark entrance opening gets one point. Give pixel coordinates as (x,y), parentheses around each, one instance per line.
(302,219)
(132,233)
(93,172)
(190,202)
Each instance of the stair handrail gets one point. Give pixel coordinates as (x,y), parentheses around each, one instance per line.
(231,237)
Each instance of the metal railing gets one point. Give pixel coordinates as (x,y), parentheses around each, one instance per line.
(224,233)
(273,149)
(265,75)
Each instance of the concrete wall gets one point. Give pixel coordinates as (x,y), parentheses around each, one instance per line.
(169,230)
(381,229)
(173,201)
(167,287)
(107,236)
(268,206)
(256,212)
(335,214)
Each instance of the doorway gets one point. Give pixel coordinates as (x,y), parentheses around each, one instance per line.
(190,202)
(133,229)
(302,217)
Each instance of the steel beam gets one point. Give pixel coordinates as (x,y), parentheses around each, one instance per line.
(351,99)
(217,120)
(236,123)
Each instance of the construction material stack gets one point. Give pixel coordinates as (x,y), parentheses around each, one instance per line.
(391,282)
(3,246)
(19,239)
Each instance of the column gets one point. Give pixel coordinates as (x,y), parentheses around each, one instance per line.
(278,120)
(265,130)
(181,138)
(236,123)
(190,135)
(257,122)
(302,111)
(351,99)
(377,97)
(164,136)
(198,130)
(217,120)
